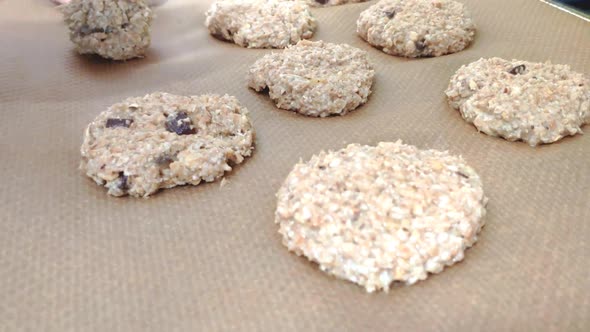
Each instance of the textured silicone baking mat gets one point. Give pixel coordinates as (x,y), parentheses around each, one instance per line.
(208,258)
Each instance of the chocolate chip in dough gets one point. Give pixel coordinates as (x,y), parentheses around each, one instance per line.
(113,123)
(86,30)
(421,45)
(180,123)
(122,181)
(390,14)
(518,70)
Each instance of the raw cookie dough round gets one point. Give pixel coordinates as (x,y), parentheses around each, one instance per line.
(375,215)
(315,78)
(327,3)
(520,100)
(113,29)
(260,23)
(162,140)
(417,28)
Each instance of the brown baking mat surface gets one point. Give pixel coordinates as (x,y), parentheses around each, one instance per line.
(208,258)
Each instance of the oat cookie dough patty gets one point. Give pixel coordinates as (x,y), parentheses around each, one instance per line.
(327,3)
(162,140)
(520,100)
(417,28)
(113,29)
(315,78)
(260,23)
(378,214)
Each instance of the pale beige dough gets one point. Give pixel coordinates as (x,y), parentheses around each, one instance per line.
(520,100)
(162,140)
(113,29)
(378,214)
(417,28)
(260,23)
(315,78)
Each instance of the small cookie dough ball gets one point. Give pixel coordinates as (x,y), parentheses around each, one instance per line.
(260,23)
(520,100)
(113,29)
(417,28)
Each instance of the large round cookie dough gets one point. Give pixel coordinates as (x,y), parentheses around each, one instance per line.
(315,78)
(260,23)
(162,140)
(113,29)
(375,215)
(520,100)
(417,28)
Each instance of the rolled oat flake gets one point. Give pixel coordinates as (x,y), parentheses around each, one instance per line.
(375,215)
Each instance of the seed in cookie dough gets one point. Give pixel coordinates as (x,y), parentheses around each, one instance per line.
(462,175)
(518,70)
(521,101)
(260,23)
(180,123)
(155,153)
(315,78)
(113,29)
(115,122)
(421,28)
(377,215)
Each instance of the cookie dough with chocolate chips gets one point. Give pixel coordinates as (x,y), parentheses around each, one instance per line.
(113,29)
(327,3)
(315,78)
(374,215)
(520,100)
(260,23)
(417,28)
(162,140)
